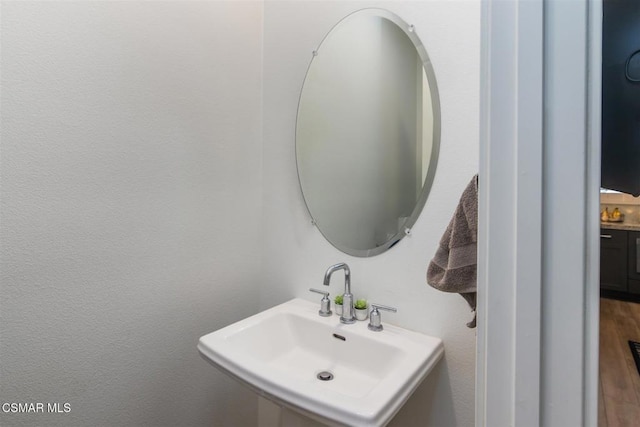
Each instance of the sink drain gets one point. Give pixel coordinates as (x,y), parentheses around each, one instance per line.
(325,376)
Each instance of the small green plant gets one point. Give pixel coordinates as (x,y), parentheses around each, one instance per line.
(361,304)
(338,299)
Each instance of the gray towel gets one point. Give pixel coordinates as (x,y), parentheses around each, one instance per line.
(453,267)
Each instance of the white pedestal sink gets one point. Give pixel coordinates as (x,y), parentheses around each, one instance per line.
(281,353)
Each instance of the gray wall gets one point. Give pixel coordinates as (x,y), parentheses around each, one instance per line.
(129,209)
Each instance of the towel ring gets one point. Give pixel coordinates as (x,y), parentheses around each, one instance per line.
(633,61)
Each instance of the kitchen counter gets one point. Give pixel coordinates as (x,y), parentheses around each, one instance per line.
(631,226)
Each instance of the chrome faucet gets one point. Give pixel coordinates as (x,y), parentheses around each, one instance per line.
(348,314)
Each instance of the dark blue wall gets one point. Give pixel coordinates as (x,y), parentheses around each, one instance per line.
(620,97)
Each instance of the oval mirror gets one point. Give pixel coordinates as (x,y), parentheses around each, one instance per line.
(367,132)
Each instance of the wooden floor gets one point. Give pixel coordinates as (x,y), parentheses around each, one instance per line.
(619,394)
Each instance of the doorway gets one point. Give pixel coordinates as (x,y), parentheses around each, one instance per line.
(619,364)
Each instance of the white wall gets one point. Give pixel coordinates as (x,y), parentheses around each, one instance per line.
(130,207)
(133,204)
(295,253)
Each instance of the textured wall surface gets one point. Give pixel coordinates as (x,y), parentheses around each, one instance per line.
(296,254)
(135,213)
(130,207)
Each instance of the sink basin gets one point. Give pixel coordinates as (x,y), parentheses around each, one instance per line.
(286,354)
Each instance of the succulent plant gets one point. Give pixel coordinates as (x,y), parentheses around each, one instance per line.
(361,304)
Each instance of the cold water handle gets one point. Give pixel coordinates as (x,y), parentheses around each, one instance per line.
(375,320)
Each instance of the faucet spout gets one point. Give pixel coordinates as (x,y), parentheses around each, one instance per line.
(348,313)
(347,275)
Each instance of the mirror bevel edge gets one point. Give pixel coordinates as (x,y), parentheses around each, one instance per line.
(410,32)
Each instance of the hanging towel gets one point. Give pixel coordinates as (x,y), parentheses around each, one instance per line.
(454,266)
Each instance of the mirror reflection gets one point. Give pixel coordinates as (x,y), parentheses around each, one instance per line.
(367,133)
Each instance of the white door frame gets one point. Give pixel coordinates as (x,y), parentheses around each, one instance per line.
(538,291)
